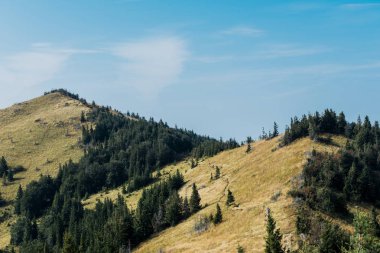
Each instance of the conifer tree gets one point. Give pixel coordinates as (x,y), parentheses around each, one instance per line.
(3,166)
(19,195)
(218,217)
(173,209)
(273,238)
(248,141)
(186,208)
(10,175)
(195,200)
(217,172)
(275,130)
(230,198)
(68,244)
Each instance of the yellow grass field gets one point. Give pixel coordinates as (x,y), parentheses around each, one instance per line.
(253,178)
(39,135)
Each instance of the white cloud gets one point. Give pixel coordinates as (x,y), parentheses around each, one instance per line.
(31,68)
(359,6)
(243,31)
(151,64)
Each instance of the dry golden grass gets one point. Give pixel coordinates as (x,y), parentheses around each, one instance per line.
(253,178)
(39,135)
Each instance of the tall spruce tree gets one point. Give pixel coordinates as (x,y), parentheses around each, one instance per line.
(274,236)
(3,166)
(17,204)
(195,200)
(275,130)
(218,217)
(230,198)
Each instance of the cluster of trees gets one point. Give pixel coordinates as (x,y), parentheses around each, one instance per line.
(271,134)
(68,94)
(110,227)
(315,124)
(6,172)
(331,181)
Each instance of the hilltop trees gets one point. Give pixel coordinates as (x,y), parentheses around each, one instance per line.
(248,141)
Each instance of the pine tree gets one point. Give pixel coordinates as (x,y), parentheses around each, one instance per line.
(248,141)
(186,208)
(10,175)
(218,217)
(195,200)
(68,244)
(273,238)
(230,198)
(217,173)
(82,117)
(275,130)
(3,166)
(173,209)
(19,195)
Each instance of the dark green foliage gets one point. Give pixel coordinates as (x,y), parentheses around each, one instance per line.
(218,217)
(240,249)
(195,200)
(313,125)
(275,130)
(3,166)
(248,141)
(173,209)
(375,222)
(17,203)
(230,198)
(217,173)
(274,236)
(332,240)
(186,208)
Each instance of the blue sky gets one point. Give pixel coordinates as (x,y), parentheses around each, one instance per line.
(222,68)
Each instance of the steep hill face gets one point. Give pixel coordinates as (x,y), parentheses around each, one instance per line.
(39,135)
(258,180)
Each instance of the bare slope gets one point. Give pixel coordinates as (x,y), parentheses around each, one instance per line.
(39,135)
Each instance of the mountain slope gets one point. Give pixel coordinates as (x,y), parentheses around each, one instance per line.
(39,135)
(258,180)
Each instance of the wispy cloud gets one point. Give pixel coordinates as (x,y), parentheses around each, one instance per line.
(243,31)
(27,69)
(151,64)
(360,6)
(286,50)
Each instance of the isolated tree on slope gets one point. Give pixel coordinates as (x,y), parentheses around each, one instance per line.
(218,217)
(274,236)
(230,198)
(195,200)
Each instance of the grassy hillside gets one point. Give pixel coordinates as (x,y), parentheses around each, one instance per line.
(258,180)
(39,135)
